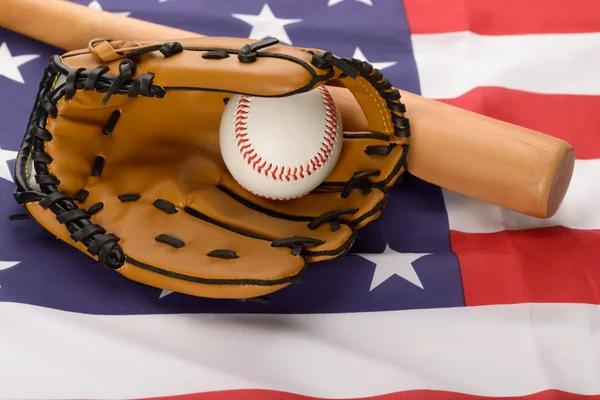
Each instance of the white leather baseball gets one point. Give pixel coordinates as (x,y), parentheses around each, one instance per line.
(281,148)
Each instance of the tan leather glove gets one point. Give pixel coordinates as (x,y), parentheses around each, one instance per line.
(121,160)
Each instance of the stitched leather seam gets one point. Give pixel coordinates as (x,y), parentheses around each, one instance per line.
(285,172)
(378,101)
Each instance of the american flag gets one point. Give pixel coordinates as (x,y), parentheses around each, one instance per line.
(445,297)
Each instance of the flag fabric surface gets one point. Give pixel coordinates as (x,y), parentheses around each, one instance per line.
(445,297)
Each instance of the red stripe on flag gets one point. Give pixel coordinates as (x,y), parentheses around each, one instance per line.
(407,395)
(503,17)
(554,265)
(569,117)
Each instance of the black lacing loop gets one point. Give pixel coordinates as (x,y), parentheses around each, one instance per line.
(379,83)
(49,107)
(326,59)
(165,206)
(333,217)
(94,208)
(112,120)
(296,243)
(382,86)
(170,240)
(72,215)
(49,200)
(93,77)
(390,96)
(81,195)
(247,53)
(360,180)
(87,232)
(227,254)
(126,71)
(47,180)
(375,150)
(41,157)
(167,49)
(141,85)
(111,255)
(396,107)
(96,245)
(70,82)
(41,133)
(170,48)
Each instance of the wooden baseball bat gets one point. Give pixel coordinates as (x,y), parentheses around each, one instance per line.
(510,166)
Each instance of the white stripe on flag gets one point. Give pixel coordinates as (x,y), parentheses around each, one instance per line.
(580,208)
(451,64)
(508,350)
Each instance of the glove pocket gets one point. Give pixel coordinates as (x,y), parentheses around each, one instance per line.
(175,247)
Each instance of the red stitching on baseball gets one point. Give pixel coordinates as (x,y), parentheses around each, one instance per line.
(286,172)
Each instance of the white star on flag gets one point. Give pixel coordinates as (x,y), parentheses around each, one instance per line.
(165,293)
(9,65)
(334,2)
(97,6)
(266,24)
(7,264)
(358,54)
(5,157)
(390,263)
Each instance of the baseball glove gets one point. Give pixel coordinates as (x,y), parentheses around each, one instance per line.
(121,160)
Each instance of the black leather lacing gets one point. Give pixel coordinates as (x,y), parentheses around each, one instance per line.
(126,70)
(333,217)
(223,253)
(167,49)
(359,180)
(127,197)
(170,240)
(94,208)
(248,52)
(81,195)
(99,80)
(165,206)
(296,243)
(353,67)
(374,150)
(77,221)
(109,126)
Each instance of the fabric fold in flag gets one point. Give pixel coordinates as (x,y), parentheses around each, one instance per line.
(511,350)
(534,63)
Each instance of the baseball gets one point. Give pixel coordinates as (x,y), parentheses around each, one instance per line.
(281,148)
